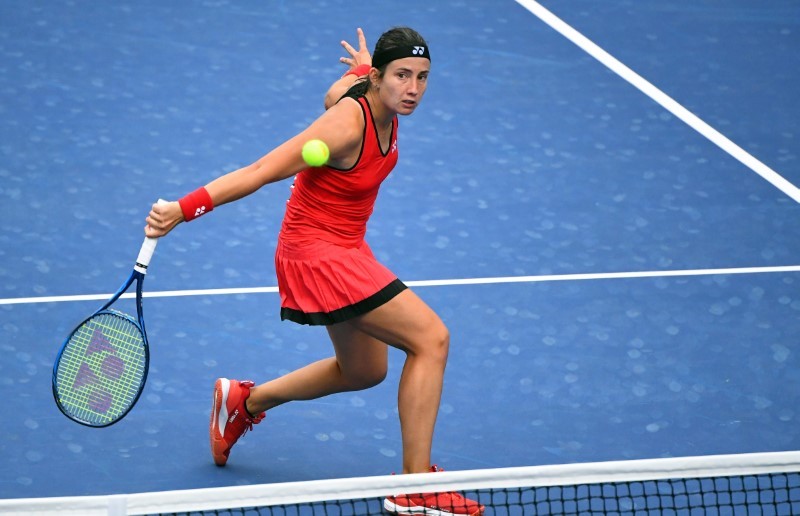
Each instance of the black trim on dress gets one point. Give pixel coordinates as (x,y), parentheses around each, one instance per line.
(347,312)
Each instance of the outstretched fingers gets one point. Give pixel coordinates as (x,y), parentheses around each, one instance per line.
(357,57)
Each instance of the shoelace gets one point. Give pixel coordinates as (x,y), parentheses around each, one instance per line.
(448,499)
(456,498)
(248,420)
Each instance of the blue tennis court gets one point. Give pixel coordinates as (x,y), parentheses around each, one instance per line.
(601,205)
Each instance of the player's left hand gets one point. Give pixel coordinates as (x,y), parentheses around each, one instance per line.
(357,57)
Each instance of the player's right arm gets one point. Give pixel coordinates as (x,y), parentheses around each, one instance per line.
(340,127)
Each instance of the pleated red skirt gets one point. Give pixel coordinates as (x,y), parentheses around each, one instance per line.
(322,283)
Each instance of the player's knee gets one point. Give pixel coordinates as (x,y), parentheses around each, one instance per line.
(367,380)
(438,343)
(367,377)
(375,377)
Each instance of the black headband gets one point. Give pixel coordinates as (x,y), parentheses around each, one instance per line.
(388,55)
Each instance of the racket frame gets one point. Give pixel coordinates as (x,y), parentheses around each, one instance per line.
(138,274)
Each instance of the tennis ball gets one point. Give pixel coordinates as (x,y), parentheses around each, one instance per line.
(315,153)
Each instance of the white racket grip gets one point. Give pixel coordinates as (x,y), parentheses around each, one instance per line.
(147,250)
(145,254)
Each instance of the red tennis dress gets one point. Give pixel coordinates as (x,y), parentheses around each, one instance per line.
(326,271)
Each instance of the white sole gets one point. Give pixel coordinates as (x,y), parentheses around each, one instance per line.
(222,418)
(397,509)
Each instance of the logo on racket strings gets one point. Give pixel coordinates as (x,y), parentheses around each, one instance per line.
(111,367)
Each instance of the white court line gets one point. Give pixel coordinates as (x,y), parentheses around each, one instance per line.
(422,283)
(623,71)
(662,98)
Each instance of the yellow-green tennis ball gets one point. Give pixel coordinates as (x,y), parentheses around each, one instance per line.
(315,153)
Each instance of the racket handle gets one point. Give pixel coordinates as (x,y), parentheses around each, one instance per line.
(145,253)
(147,250)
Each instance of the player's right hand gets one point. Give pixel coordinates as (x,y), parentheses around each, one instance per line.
(162,218)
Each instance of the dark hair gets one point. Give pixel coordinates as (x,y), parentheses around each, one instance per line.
(392,38)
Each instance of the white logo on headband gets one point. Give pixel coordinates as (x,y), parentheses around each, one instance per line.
(418,51)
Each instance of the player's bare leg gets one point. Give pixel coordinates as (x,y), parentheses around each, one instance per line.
(360,363)
(407,323)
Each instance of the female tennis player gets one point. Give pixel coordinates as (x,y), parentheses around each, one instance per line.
(327,274)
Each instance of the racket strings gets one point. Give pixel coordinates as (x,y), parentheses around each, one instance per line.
(102,368)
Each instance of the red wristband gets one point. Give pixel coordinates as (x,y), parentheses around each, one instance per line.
(195,204)
(359,70)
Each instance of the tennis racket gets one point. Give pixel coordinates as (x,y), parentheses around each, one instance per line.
(101,368)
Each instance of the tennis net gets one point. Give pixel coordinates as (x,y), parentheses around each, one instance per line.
(745,484)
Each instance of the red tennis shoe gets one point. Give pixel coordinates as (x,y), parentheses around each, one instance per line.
(435,504)
(229,418)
